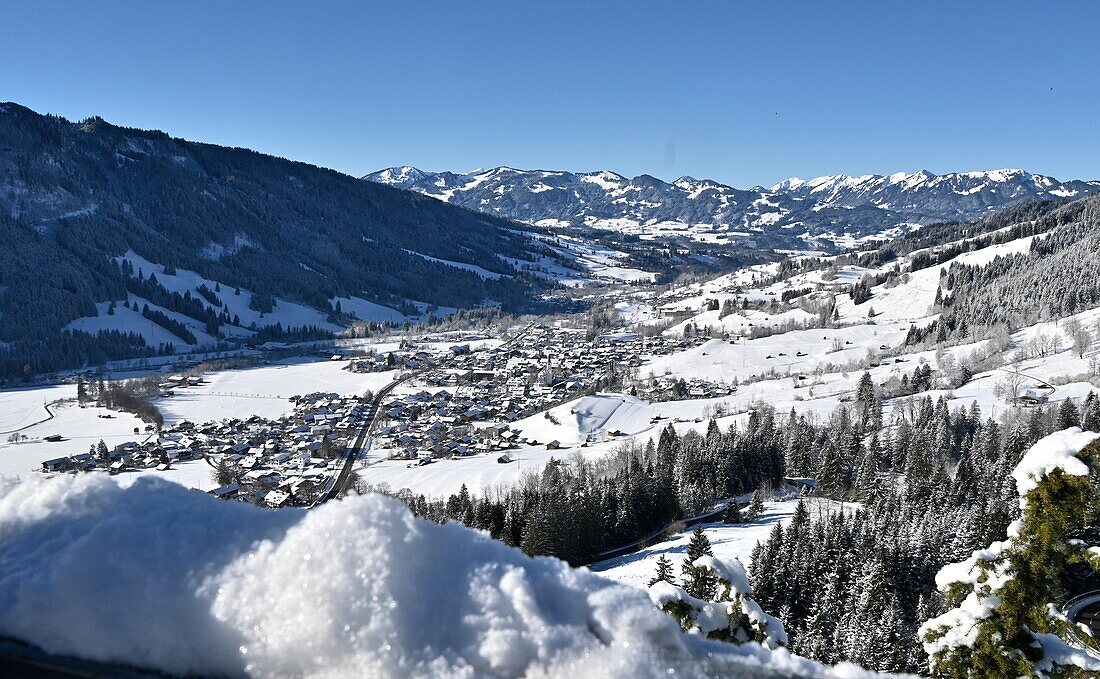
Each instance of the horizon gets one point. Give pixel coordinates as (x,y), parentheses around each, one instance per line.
(742,95)
(666,179)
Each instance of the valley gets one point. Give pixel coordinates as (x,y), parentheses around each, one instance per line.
(762,340)
(745,410)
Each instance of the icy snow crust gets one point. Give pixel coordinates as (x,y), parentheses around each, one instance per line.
(161,577)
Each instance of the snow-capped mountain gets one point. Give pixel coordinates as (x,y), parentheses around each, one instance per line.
(837,210)
(923,195)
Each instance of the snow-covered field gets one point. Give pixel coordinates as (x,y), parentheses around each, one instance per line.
(80,428)
(264,391)
(20,408)
(729,541)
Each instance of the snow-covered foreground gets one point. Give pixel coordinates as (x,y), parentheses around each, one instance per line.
(157,576)
(729,541)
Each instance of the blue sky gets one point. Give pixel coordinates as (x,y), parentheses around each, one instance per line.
(745,93)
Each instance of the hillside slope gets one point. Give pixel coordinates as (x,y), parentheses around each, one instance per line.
(74,197)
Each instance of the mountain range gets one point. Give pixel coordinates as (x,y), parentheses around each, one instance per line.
(123,243)
(832,211)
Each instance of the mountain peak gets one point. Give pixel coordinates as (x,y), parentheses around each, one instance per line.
(403,174)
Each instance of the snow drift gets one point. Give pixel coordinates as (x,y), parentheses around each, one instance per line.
(161,577)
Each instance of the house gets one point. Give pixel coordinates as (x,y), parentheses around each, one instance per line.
(553,445)
(277,498)
(53,438)
(59,464)
(226,492)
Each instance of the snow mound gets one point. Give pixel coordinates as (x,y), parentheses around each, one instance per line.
(161,577)
(1056,451)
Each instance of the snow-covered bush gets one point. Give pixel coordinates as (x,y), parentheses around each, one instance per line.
(1004,622)
(733,616)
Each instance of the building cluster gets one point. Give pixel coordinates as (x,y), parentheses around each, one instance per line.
(292,460)
(460,399)
(467,404)
(667,388)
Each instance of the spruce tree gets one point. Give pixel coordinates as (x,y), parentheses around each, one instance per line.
(1001,624)
(664,572)
(697,581)
(1090,419)
(756,506)
(732,513)
(1068,415)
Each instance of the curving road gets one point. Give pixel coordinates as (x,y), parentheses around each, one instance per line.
(362,439)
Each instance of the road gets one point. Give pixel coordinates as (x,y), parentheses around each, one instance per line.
(47,418)
(354,451)
(1090,615)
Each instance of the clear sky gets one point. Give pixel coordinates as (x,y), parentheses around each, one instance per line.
(742,92)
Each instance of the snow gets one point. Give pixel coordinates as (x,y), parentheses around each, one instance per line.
(589,416)
(730,570)
(728,542)
(23,407)
(289,314)
(577,421)
(1058,652)
(483,273)
(265,391)
(966,572)
(80,428)
(608,181)
(368,311)
(1056,451)
(721,360)
(159,577)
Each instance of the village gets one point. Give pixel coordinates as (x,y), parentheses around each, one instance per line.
(293,460)
(448,400)
(467,404)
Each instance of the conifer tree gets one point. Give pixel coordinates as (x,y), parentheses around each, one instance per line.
(1068,415)
(664,572)
(729,614)
(1090,420)
(732,513)
(756,506)
(697,581)
(1004,622)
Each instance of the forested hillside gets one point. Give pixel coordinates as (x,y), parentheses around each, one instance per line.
(73,196)
(1055,278)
